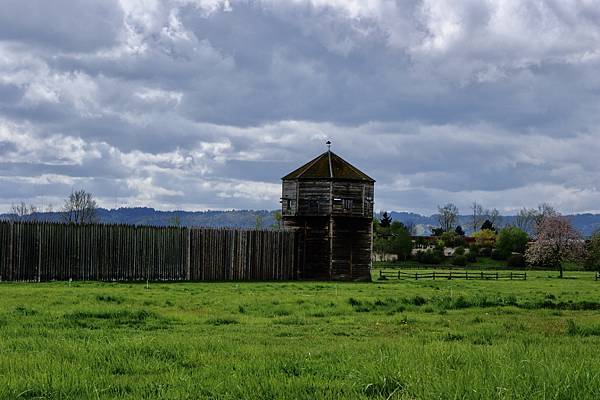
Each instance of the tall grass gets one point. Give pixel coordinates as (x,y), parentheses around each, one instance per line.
(535,339)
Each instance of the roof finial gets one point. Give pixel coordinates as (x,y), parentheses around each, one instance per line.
(328,145)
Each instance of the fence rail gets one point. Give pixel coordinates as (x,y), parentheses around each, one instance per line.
(387,274)
(31,251)
(417,266)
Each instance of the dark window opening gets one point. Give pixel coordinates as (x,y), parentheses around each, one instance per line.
(348,204)
(287,204)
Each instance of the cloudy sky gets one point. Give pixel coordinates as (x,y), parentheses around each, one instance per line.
(205,104)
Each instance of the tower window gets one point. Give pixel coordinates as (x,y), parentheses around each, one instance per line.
(348,204)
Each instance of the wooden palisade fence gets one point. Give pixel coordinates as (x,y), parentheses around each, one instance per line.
(32,251)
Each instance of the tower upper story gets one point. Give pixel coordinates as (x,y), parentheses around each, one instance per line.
(327,186)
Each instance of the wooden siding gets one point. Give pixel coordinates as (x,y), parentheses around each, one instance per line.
(351,249)
(48,251)
(343,255)
(313,246)
(359,193)
(313,198)
(323,198)
(289,198)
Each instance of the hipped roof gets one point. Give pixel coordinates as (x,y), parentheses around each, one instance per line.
(328,166)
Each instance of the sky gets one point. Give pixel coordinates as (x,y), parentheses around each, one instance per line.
(206,104)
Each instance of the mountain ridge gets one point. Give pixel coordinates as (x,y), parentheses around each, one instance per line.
(586,223)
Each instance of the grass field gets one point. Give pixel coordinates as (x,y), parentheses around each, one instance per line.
(534,339)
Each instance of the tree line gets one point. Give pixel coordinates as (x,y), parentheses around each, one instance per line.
(538,237)
(79,207)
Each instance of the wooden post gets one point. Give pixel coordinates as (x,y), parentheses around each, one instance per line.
(10,251)
(330,223)
(188,270)
(39,243)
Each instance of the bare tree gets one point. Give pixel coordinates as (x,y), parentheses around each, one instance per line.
(477,217)
(525,219)
(557,241)
(80,208)
(411,228)
(544,211)
(494,217)
(22,211)
(447,217)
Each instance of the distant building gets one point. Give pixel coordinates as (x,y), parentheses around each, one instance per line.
(331,202)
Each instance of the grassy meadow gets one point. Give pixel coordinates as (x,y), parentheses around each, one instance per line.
(534,339)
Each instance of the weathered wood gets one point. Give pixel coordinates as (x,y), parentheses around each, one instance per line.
(385,274)
(37,252)
(331,203)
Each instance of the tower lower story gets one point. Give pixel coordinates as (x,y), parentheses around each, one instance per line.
(333,247)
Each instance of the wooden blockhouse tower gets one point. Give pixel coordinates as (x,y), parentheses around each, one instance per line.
(331,203)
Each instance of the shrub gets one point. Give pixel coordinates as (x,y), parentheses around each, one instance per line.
(485,252)
(471,257)
(516,261)
(592,260)
(428,257)
(474,248)
(497,255)
(459,261)
(512,240)
(439,245)
(452,239)
(460,251)
(485,237)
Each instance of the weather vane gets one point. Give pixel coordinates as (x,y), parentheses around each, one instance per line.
(328,145)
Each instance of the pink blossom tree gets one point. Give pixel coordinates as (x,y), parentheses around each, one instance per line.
(557,241)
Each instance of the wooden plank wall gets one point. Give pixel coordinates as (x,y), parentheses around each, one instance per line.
(351,258)
(313,242)
(31,251)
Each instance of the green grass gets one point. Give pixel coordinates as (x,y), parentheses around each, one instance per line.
(534,339)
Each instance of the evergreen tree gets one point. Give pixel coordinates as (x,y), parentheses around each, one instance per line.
(489,225)
(386,220)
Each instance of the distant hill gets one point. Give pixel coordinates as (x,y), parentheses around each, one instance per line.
(150,216)
(585,223)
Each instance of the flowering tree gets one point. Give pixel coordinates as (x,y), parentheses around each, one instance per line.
(557,241)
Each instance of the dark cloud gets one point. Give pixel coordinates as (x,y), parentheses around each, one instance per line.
(207,103)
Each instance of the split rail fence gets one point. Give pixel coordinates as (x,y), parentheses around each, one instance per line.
(383,274)
(31,251)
